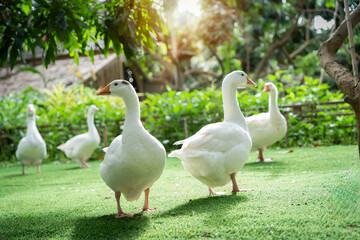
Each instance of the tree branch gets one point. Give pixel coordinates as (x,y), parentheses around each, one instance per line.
(287,55)
(202,72)
(351,43)
(348,51)
(272,48)
(213,51)
(159,59)
(320,10)
(302,47)
(327,51)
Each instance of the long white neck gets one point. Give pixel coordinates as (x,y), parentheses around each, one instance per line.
(132,104)
(232,112)
(31,126)
(273,104)
(90,122)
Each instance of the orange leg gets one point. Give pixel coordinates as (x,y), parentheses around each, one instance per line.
(235,186)
(38,168)
(261,157)
(23,169)
(84,164)
(146,203)
(120,212)
(211,192)
(234,183)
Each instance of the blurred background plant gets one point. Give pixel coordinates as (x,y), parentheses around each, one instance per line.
(61,114)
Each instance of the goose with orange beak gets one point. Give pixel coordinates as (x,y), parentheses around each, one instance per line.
(219,150)
(135,159)
(267,128)
(81,147)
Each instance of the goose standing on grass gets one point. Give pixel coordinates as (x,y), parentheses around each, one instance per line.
(32,148)
(135,159)
(218,150)
(80,147)
(267,128)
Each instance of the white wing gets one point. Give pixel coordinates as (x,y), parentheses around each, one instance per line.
(216,137)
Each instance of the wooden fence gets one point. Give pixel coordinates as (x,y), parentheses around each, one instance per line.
(305,111)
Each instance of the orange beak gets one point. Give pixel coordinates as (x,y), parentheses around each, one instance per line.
(266,88)
(105,90)
(250,82)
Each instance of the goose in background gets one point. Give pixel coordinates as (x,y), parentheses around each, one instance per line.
(267,128)
(80,147)
(32,148)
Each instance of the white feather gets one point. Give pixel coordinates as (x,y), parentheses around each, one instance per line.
(82,146)
(31,149)
(218,149)
(267,128)
(135,159)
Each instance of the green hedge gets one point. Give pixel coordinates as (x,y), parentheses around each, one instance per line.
(61,114)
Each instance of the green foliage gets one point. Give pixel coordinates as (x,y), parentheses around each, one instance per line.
(62,114)
(203,107)
(312,193)
(216,24)
(321,125)
(72,25)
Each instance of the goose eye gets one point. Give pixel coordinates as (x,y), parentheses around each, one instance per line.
(242,74)
(115,84)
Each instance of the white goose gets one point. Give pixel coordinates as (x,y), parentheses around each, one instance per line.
(135,159)
(267,128)
(32,148)
(218,150)
(80,147)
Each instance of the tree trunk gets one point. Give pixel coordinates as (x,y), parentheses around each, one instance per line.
(179,76)
(356,106)
(339,73)
(351,43)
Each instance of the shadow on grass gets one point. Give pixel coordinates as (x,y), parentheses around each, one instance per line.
(207,204)
(32,227)
(275,169)
(15,175)
(109,227)
(73,168)
(256,165)
(49,226)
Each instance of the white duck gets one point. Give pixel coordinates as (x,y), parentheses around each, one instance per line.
(32,148)
(218,150)
(135,159)
(267,128)
(80,147)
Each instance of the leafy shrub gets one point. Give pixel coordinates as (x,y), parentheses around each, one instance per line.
(62,113)
(163,114)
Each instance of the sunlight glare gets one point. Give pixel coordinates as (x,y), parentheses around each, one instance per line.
(192,6)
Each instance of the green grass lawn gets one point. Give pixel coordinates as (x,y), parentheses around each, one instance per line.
(312,193)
